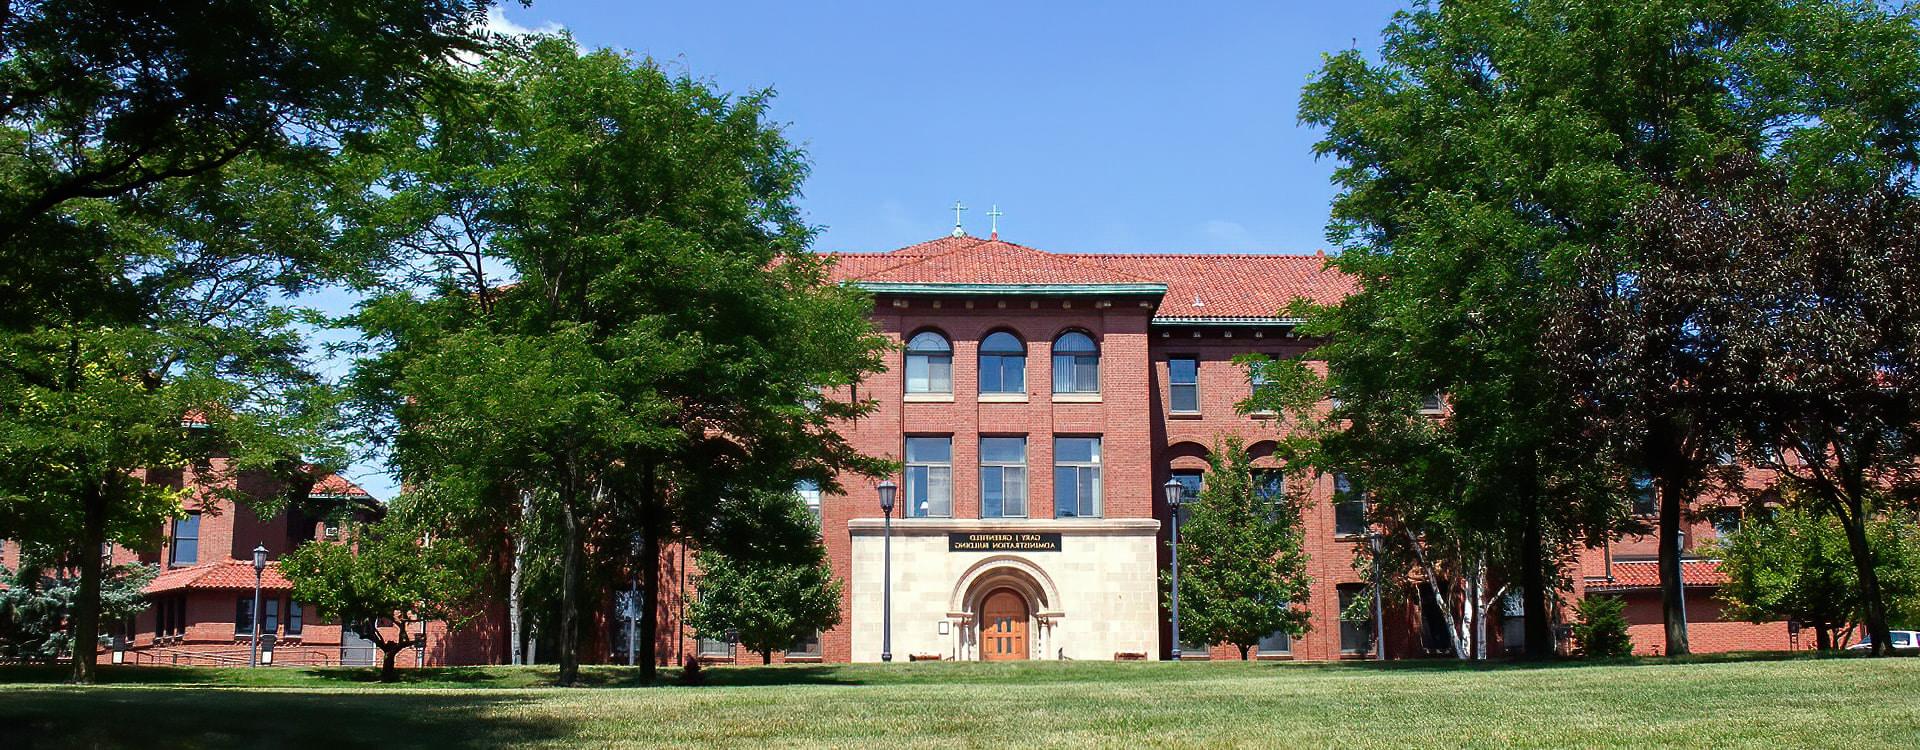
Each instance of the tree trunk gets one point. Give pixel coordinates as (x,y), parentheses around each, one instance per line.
(1243,651)
(766,656)
(649,575)
(1533,589)
(569,635)
(1823,636)
(514,578)
(388,651)
(1873,604)
(1672,585)
(86,608)
(1441,600)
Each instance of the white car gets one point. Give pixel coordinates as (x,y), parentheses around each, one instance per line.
(1903,640)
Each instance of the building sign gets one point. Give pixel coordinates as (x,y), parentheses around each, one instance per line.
(996,541)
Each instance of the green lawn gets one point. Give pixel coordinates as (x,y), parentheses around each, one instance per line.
(1774,704)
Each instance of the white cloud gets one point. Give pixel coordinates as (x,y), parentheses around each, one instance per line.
(499,23)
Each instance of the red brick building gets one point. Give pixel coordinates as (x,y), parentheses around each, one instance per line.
(1040,402)
(200,603)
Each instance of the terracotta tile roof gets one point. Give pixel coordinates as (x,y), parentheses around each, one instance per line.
(219,575)
(1199,286)
(1645,574)
(334,485)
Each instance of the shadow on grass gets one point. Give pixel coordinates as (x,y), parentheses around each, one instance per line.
(194,718)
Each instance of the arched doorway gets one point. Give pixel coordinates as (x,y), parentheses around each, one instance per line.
(1003,626)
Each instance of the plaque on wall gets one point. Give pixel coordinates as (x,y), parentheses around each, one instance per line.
(1003,541)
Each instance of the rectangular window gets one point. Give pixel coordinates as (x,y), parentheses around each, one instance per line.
(714,647)
(1431,404)
(186,540)
(1003,477)
(270,622)
(1076,477)
(1276,642)
(293,618)
(1270,488)
(1356,631)
(1644,502)
(1726,521)
(243,616)
(809,492)
(807,646)
(1183,383)
(1190,480)
(1349,508)
(929,477)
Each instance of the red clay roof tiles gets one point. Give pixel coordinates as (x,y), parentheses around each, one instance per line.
(1645,574)
(1198,285)
(222,574)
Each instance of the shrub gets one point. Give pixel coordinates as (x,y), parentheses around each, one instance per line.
(1602,630)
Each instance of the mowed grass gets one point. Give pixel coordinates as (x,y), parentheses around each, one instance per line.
(1775,704)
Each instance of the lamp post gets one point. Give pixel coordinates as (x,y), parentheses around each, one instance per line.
(887,489)
(259,568)
(1378,544)
(1680,550)
(1174,491)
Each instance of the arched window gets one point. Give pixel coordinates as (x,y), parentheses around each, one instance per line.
(1076,364)
(929,363)
(1003,364)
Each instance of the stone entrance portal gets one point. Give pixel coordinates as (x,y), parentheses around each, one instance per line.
(1003,626)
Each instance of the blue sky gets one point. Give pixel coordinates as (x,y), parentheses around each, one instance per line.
(1120,126)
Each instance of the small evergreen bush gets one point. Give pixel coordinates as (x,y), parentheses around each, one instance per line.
(1602,630)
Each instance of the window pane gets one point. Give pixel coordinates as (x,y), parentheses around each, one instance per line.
(917,374)
(1075,342)
(1001,342)
(1062,373)
(1355,634)
(1276,642)
(1185,398)
(930,343)
(990,375)
(1086,374)
(1003,450)
(940,491)
(1643,498)
(1090,492)
(1182,371)
(293,617)
(991,493)
(243,616)
(940,374)
(1064,492)
(186,540)
(929,449)
(1189,484)
(1076,449)
(1014,492)
(270,622)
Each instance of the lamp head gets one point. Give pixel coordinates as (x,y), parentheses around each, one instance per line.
(1173,491)
(260,556)
(887,490)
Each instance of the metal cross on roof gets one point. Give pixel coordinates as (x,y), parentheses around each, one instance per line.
(957,230)
(993,217)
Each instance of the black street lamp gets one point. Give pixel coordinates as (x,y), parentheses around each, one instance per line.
(259,568)
(887,489)
(1379,545)
(1175,491)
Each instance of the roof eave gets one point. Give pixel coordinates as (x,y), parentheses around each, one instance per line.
(1050,290)
(1245,322)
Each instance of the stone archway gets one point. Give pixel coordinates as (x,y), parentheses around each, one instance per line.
(1008,576)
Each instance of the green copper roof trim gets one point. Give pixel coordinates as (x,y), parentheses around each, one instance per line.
(1247,322)
(1056,290)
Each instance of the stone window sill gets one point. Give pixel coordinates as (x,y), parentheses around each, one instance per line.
(1183,415)
(929,398)
(1003,398)
(1076,398)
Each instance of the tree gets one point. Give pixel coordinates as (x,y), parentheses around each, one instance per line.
(1602,629)
(385,574)
(1491,144)
(102,99)
(1243,574)
(770,605)
(655,352)
(1794,566)
(163,192)
(38,600)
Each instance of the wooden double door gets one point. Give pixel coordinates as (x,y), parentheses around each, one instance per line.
(1003,626)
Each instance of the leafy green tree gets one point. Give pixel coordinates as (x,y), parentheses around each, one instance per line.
(386,573)
(1488,146)
(1602,629)
(651,352)
(1243,574)
(101,99)
(771,605)
(38,600)
(1794,566)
